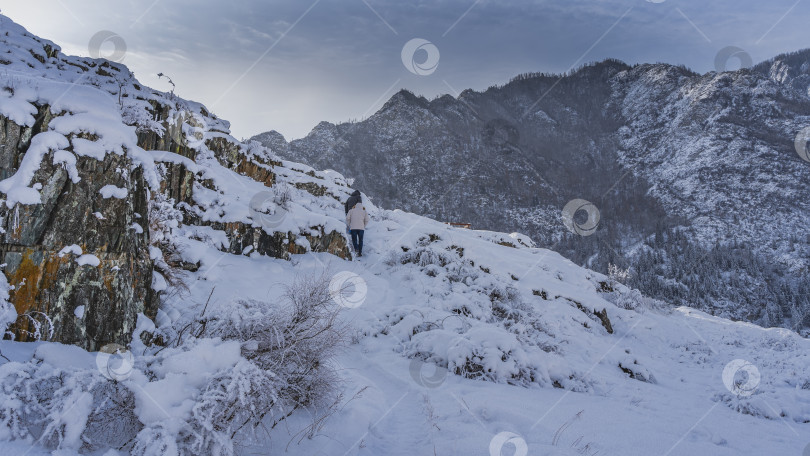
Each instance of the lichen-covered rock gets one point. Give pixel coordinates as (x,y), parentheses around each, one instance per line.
(99,183)
(245,239)
(51,288)
(51,283)
(315,189)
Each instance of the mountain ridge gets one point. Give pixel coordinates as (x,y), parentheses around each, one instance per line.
(657,147)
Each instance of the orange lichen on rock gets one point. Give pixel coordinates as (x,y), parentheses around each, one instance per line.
(29,280)
(256,172)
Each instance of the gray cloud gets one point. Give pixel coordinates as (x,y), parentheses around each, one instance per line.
(342,61)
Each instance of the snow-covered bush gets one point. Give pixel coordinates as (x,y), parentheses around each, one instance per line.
(494,355)
(284,364)
(425,256)
(232,399)
(246,363)
(295,341)
(282,196)
(617,275)
(632,299)
(494,334)
(64,407)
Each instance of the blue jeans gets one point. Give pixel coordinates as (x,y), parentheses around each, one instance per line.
(357,240)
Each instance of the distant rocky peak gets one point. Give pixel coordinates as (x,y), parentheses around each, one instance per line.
(789,69)
(274,140)
(779,72)
(405,97)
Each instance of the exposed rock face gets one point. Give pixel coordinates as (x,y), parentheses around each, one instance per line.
(49,287)
(94,179)
(173,139)
(244,239)
(178,183)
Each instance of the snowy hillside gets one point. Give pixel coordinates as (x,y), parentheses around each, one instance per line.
(259,333)
(707,162)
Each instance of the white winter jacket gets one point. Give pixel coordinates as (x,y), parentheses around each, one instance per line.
(357,218)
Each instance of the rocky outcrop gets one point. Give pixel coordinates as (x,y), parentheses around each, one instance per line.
(61,295)
(246,239)
(172,139)
(91,193)
(89,304)
(177,182)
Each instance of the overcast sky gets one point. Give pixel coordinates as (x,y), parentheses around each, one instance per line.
(286,65)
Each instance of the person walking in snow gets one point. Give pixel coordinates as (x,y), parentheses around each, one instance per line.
(357,220)
(353,199)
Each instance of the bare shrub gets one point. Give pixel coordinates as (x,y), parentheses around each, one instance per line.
(295,341)
(285,365)
(287,350)
(233,399)
(282,196)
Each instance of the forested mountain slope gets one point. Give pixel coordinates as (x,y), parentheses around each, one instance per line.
(700,190)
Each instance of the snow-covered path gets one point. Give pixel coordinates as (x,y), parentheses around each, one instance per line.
(396,405)
(408,407)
